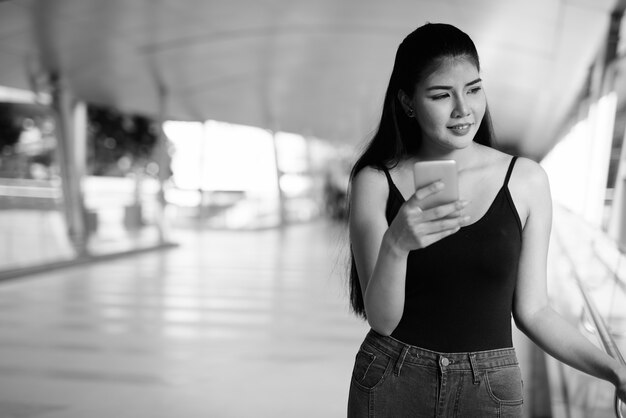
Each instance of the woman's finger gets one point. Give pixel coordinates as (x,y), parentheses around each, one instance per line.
(455,214)
(432,238)
(444,210)
(424,192)
(434,227)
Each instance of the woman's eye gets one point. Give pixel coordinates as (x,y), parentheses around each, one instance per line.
(439,96)
(474,90)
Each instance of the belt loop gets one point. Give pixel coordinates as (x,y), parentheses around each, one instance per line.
(400,360)
(472,359)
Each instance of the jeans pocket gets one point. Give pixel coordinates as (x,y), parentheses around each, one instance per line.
(505,385)
(370,368)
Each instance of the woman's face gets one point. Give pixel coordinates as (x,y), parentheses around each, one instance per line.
(449,104)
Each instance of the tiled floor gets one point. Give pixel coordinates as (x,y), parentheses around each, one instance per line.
(42,232)
(230,324)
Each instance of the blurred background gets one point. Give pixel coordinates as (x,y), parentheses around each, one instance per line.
(173,181)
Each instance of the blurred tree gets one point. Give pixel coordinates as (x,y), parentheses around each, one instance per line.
(10,126)
(119,143)
(27,141)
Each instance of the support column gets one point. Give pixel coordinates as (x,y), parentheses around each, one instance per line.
(71,125)
(162,158)
(281,194)
(204,198)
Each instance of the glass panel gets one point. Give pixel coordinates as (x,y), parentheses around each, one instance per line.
(585,251)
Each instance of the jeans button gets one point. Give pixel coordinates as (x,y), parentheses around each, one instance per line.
(444,361)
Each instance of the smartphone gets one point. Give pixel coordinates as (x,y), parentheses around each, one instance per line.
(427,172)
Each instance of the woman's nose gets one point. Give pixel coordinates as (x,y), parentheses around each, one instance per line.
(460,109)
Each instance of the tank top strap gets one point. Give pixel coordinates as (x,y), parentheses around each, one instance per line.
(392,186)
(389,181)
(509,171)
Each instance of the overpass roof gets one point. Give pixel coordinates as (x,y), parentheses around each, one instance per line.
(314,67)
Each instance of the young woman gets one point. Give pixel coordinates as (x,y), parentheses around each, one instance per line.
(438,286)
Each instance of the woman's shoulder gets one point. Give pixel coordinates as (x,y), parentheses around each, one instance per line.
(529,187)
(527,175)
(369,191)
(369,174)
(369,179)
(529,172)
(524,168)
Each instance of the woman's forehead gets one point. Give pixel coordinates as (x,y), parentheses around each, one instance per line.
(458,69)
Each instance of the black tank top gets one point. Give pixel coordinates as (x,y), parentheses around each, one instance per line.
(459,290)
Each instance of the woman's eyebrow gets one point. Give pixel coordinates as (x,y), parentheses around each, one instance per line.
(478,80)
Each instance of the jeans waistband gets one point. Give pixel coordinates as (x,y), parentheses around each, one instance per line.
(480,360)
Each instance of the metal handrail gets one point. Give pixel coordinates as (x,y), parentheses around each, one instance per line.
(603,332)
(605,337)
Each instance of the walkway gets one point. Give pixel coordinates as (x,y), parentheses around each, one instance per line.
(229,324)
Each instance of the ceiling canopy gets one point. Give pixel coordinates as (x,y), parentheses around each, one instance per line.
(314,67)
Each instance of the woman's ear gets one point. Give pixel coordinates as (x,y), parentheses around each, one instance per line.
(406,103)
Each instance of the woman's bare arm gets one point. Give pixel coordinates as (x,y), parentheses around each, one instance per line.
(383,292)
(380,251)
(531,309)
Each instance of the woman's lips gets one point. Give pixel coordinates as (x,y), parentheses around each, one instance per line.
(461,128)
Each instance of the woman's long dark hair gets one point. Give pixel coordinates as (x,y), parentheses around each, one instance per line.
(399,136)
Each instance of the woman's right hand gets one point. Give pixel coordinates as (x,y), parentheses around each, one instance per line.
(414,228)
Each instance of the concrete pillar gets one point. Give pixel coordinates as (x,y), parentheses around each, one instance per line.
(70,119)
(204,196)
(71,132)
(282,208)
(162,159)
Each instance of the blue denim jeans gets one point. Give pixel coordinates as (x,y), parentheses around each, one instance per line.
(397,380)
